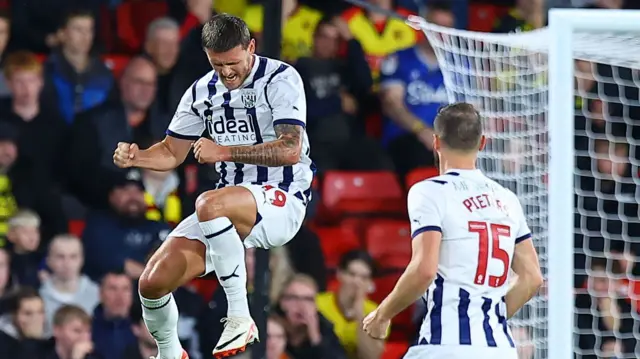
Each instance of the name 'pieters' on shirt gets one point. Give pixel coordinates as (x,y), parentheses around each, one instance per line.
(481,222)
(272,94)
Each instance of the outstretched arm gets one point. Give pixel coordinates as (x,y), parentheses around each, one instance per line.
(284,151)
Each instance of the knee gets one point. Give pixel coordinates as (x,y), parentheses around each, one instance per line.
(153,282)
(209,205)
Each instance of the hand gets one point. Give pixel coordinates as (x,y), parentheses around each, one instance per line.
(349,103)
(207,151)
(313,324)
(426,137)
(52,40)
(125,154)
(81,349)
(343,28)
(202,9)
(133,269)
(375,326)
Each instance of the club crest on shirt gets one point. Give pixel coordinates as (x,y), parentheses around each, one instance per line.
(248,97)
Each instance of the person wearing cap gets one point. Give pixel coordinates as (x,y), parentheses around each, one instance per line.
(120,238)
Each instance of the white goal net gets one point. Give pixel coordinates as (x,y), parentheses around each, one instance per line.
(506,77)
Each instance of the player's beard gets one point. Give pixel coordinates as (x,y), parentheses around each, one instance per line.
(436,160)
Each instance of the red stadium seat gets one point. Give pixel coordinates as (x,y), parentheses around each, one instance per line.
(420,174)
(401,326)
(375,192)
(116,63)
(76,227)
(394,350)
(389,243)
(336,241)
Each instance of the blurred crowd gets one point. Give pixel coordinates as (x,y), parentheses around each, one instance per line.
(79,76)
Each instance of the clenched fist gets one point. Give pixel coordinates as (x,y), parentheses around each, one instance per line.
(125,154)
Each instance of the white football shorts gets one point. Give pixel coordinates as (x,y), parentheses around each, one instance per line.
(280,216)
(459,352)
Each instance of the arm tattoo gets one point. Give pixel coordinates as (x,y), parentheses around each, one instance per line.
(281,152)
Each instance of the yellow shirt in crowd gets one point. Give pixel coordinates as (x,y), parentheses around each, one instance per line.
(8,206)
(345,330)
(233,7)
(297,31)
(379,39)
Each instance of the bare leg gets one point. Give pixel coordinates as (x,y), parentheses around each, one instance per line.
(175,263)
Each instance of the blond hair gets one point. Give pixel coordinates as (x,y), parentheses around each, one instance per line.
(67,313)
(299,278)
(24,218)
(21,61)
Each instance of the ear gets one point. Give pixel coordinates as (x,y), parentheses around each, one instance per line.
(437,145)
(483,143)
(252,46)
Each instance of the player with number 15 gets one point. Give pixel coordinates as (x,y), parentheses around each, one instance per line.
(468,232)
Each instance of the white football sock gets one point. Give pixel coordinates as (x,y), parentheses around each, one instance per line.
(161,317)
(229,264)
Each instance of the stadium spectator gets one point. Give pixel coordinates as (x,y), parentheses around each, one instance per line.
(35,23)
(5,27)
(22,186)
(132,118)
(298,24)
(8,285)
(334,88)
(602,311)
(347,307)
(162,195)
(111,328)
(75,78)
(380,35)
(162,45)
(24,238)
(192,14)
(66,285)
(72,334)
(526,15)
(41,130)
(412,91)
(145,346)
(121,238)
(276,339)
(309,334)
(22,329)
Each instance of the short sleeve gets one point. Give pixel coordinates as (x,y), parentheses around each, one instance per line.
(186,124)
(390,72)
(426,210)
(286,98)
(524,232)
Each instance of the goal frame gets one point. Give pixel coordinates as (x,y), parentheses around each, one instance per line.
(562,25)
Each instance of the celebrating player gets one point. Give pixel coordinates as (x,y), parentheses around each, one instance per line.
(254,110)
(467,232)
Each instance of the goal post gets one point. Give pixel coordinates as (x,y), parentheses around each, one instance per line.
(523,84)
(563,25)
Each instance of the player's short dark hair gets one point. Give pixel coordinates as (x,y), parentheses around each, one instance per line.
(356,255)
(224,32)
(459,126)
